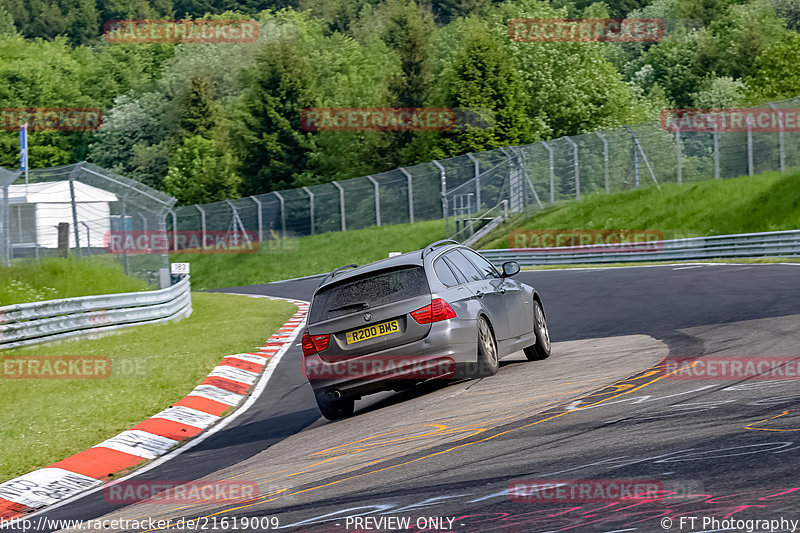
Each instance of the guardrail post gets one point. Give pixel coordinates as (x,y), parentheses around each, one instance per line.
(202,224)
(576,166)
(780,137)
(341,204)
(605,157)
(311,203)
(260,218)
(477,170)
(410,195)
(283,211)
(552,174)
(749,146)
(377,200)
(444,196)
(678,154)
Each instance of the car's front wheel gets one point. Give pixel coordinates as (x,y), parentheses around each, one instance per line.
(540,350)
(334,409)
(488,360)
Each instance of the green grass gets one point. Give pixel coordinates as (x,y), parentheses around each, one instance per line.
(766,202)
(46,420)
(52,278)
(306,256)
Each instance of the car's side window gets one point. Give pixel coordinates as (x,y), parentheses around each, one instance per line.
(487,269)
(464,265)
(444,273)
(459,276)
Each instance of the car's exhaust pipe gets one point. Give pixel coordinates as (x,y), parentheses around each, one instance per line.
(335,394)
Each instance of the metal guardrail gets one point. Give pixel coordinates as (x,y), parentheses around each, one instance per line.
(765,244)
(35,322)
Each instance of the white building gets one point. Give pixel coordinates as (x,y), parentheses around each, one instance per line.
(35,210)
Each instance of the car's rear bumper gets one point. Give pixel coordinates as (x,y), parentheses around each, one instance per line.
(449,348)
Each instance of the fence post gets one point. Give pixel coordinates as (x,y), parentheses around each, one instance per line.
(552,173)
(577,168)
(605,157)
(283,212)
(174,230)
(311,203)
(202,224)
(410,195)
(377,200)
(341,204)
(780,137)
(716,151)
(749,146)
(260,218)
(638,149)
(477,170)
(144,221)
(444,196)
(74,206)
(124,212)
(678,152)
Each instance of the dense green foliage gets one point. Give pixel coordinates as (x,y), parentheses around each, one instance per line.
(206,121)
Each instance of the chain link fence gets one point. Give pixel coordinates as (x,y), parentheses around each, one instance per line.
(73,209)
(472,190)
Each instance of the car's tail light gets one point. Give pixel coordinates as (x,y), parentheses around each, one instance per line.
(314,343)
(438,310)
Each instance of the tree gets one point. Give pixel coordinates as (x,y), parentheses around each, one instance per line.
(482,79)
(200,113)
(269,140)
(200,173)
(775,75)
(6,22)
(407,32)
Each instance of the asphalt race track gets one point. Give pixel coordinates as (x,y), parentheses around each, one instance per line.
(597,410)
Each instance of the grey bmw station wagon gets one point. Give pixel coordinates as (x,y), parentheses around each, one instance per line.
(443,312)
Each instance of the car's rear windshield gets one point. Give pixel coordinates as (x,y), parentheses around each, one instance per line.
(365,292)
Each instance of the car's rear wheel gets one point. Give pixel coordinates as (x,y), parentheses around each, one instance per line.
(488,360)
(540,350)
(334,409)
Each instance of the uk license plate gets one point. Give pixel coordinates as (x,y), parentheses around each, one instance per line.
(371,332)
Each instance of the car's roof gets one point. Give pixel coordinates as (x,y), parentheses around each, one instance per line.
(407,259)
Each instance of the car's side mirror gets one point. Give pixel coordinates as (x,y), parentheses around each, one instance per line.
(510,268)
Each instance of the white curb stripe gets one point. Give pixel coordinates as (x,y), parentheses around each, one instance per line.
(139,443)
(45,486)
(188,416)
(210,392)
